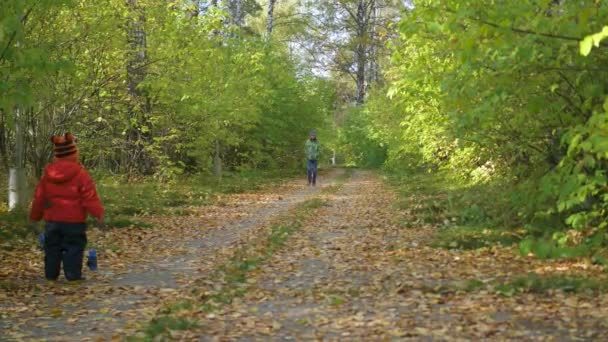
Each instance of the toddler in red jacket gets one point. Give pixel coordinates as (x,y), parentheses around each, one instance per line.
(64,196)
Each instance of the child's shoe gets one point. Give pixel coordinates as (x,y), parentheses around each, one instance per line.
(92,260)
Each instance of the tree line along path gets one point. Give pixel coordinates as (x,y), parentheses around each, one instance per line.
(471,201)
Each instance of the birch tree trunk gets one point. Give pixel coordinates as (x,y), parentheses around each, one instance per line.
(237,12)
(270,18)
(16,181)
(240,15)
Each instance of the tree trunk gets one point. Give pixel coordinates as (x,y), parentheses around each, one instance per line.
(240,15)
(270,18)
(3,142)
(360,52)
(217,160)
(16,182)
(139,104)
(374,68)
(236,11)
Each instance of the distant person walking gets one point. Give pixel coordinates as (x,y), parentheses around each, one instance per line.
(65,195)
(313,151)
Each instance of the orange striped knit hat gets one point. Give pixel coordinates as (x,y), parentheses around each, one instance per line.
(65,146)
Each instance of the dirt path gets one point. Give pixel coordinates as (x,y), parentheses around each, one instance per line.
(130,286)
(355,273)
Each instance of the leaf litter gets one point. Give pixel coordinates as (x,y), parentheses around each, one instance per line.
(354,272)
(140,268)
(351,272)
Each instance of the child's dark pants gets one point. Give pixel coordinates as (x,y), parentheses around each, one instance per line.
(64,243)
(312,172)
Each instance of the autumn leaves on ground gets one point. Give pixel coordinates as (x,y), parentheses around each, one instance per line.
(340,261)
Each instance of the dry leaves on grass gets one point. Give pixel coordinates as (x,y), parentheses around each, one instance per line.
(114,295)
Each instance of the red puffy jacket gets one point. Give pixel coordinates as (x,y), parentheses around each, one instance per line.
(66,193)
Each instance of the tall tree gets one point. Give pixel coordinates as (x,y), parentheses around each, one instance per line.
(353,34)
(23,65)
(17,196)
(138,133)
(361,19)
(237,12)
(270,18)
(152,88)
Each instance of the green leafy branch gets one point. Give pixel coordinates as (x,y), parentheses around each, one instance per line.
(593,40)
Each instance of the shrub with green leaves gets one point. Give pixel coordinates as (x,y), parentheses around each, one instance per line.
(508,93)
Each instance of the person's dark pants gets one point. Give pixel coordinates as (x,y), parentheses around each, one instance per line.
(64,243)
(312,172)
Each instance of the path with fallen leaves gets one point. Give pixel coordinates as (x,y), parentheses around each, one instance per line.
(353,271)
(139,268)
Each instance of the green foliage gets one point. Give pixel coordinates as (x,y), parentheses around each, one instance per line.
(14,227)
(440,198)
(148,196)
(593,40)
(569,244)
(230,88)
(530,283)
(357,145)
(24,65)
(499,97)
(122,198)
(204,83)
(314,203)
(534,283)
(162,325)
(549,249)
(474,238)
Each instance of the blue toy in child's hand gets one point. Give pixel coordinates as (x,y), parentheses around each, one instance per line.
(41,238)
(92,260)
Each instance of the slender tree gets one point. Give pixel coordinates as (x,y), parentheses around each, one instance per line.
(237,12)
(139,104)
(270,18)
(362,23)
(354,33)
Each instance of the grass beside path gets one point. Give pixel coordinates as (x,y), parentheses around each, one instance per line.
(475,216)
(126,200)
(478,218)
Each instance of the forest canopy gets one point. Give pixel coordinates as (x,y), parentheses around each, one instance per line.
(153,87)
(509,96)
